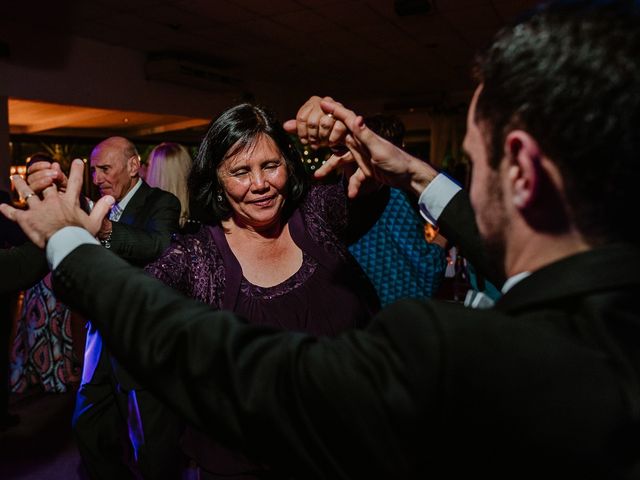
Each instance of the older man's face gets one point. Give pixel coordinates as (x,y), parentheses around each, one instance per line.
(112,173)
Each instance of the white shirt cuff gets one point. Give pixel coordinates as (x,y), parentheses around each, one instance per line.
(64,241)
(436,197)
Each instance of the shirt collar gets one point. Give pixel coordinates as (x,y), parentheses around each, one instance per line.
(514,279)
(123,203)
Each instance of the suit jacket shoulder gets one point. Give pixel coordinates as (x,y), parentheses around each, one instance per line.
(146,225)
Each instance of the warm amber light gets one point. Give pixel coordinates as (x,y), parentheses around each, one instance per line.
(18,170)
(430,232)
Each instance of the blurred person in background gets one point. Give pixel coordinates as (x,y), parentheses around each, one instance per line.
(117,423)
(42,353)
(395,254)
(168,168)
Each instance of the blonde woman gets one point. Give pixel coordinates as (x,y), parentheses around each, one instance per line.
(168,167)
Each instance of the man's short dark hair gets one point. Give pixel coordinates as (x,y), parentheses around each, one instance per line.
(569,74)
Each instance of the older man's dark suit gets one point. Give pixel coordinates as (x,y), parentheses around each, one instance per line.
(545,385)
(106,398)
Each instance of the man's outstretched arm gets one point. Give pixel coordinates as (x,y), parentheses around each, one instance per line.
(317,407)
(440,199)
(293,400)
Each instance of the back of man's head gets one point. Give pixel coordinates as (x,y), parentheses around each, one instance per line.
(39,157)
(388,127)
(569,75)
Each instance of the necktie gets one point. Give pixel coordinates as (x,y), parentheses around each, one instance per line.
(115,213)
(114,216)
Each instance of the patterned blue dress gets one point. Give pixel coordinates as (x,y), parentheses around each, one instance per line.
(395,255)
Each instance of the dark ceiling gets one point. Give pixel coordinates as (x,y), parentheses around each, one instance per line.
(360,50)
(354,48)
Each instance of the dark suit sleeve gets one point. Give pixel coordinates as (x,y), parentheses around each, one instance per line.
(141,244)
(458,224)
(21,267)
(318,406)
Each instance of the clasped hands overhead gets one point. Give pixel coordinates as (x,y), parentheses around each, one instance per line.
(366,157)
(323,122)
(55,209)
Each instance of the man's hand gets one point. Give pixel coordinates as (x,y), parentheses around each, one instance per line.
(57,210)
(315,127)
(376,158)
(43,175)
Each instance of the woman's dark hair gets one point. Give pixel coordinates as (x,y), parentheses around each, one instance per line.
(233,131)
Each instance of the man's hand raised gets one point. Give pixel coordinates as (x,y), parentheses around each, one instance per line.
(56,210)
(43,175)
(315,127)
(376,158)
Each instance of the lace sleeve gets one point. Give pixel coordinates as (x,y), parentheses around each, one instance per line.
(328,208)
(192,265)
(326,205)
(171,267)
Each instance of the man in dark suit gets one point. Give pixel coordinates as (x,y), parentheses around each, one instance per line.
(543,385)
(138,229)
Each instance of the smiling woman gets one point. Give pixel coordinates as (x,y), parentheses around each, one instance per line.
(277,253)
(254,181)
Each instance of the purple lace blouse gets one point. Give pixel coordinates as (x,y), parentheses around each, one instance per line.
(327,295)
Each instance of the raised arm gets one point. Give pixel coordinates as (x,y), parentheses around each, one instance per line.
(375,157)
(382,161)
(297,401)
(294,400)
(43,174)
(315,127)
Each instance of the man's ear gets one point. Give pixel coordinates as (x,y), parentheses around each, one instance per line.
(133,165)
(524,168)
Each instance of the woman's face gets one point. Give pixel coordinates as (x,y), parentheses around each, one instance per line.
(255,183)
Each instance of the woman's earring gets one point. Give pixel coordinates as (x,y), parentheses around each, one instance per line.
(219,198)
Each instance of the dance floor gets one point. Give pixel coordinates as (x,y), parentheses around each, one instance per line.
(41,446)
